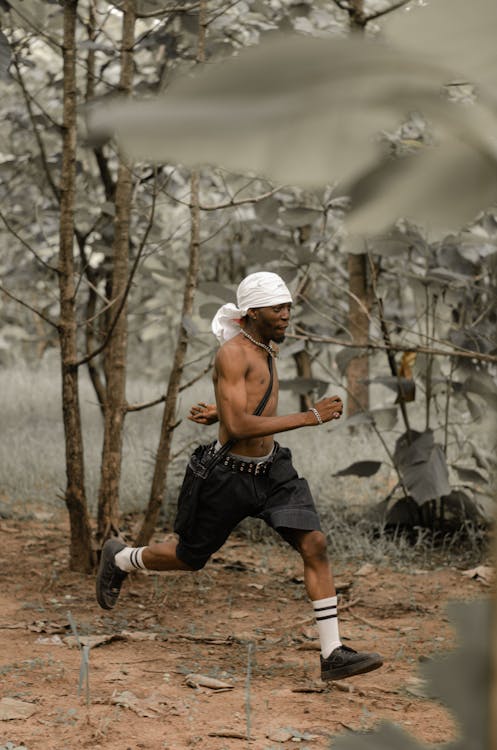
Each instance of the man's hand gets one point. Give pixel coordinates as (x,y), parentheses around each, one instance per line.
(329,408)
(203,413)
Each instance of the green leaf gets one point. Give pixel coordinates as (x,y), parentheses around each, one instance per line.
(304,385)
(423,466)
(387,737)
(220,291)
(359,469)
(462,678)
(5,56)
(345,356)
(153,331)
(208,310)
(29,14)
(305,111)
(439,31)
(299,217)
(468,474)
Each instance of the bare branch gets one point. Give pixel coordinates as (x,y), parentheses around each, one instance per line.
(44,159)
(342,5)
(385,11)
(373,345)
(165,11)
(145,404)
(39,32)
(26,244)
(221,12)
(125,295)
(232,203)
(197,377)
(29,307)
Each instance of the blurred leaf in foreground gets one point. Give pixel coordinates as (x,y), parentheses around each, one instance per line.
(461,680)
(456,33)
(307,111)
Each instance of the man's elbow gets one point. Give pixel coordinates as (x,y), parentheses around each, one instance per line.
(236,430)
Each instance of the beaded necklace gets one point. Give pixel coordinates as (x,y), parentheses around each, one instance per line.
(267,347)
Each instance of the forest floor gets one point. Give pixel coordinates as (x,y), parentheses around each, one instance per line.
(243,621)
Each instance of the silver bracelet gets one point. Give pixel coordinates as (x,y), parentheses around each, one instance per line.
(316,414)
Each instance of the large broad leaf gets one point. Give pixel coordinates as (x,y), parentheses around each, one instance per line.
(214,289)
(422,465)
(344,356)
(29,14)
(484,385)
(304,385)
(384,418)
(401,385)
(305,111)
(456,33)
(359,469)
(5,55)
(387,737)
(461,680)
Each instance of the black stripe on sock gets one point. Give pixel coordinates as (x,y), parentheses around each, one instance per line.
(326,617)
(325,609)
(133,561)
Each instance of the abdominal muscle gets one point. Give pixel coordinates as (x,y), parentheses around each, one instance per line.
(251,447)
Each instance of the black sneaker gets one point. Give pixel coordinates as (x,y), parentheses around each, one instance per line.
(109,576)
(345,662)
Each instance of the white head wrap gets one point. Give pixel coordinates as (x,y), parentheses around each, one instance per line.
(262,289)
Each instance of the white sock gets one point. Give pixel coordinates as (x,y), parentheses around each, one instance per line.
(325,611)
(130,558)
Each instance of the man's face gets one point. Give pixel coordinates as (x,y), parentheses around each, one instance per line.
(272,322)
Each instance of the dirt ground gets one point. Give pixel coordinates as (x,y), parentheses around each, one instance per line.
(244,622)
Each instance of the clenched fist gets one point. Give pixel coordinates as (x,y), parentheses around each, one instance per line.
(327,409)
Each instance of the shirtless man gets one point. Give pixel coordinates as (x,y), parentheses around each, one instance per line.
(256,478)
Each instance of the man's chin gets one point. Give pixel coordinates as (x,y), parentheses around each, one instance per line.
(279,339)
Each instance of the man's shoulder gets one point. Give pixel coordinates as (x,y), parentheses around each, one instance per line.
(232,351)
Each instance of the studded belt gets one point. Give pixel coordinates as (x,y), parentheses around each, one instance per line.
(236,465)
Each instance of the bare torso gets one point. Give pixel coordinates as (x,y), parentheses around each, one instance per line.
(249,385)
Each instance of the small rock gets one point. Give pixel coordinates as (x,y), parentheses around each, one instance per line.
(365,570)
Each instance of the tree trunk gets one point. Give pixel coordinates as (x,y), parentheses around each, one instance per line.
(358,324)
(81,557)
(358,320)
(492,713)
(116,351)
(169,415)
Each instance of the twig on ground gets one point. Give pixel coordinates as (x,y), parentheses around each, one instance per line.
(370,624)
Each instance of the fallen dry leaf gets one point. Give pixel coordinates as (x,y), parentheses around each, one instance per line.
(12,708)
(239,615)
(139,635)
(93,641)
(365,570)
(148,708)
(200,680)
(482,573)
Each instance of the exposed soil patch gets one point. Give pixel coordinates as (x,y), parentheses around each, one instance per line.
(244,621)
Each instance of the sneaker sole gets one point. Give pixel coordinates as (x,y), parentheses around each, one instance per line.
(109,551)
(341,673)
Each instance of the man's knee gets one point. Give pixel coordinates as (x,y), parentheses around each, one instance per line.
(189,561)
(312,545)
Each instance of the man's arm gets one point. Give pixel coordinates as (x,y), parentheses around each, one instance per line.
(241,424)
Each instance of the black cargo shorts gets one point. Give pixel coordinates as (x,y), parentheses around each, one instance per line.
(279,497)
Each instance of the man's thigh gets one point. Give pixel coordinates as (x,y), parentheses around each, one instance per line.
(225,501)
